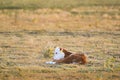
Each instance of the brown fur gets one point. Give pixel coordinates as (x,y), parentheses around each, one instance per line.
(71,58)
(66,52)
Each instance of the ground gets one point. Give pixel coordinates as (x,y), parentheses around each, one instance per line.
(27,39)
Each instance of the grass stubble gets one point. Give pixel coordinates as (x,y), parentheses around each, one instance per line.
(27,38)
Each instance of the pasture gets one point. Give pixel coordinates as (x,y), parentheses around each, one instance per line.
(28,34)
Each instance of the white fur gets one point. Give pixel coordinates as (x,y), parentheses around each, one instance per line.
(58,54)
(50,62)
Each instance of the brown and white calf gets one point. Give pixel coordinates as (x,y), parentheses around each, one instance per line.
(63,56)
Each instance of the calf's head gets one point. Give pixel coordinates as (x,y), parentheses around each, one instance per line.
(58,54)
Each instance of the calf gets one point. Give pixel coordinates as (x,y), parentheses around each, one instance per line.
(63,56)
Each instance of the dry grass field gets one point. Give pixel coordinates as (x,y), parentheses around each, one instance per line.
(27,38)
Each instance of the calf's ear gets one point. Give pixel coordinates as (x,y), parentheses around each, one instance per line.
(61,49)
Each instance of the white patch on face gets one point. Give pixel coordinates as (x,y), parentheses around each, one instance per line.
(58,54)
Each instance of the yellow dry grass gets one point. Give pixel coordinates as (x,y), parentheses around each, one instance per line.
(26,38)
